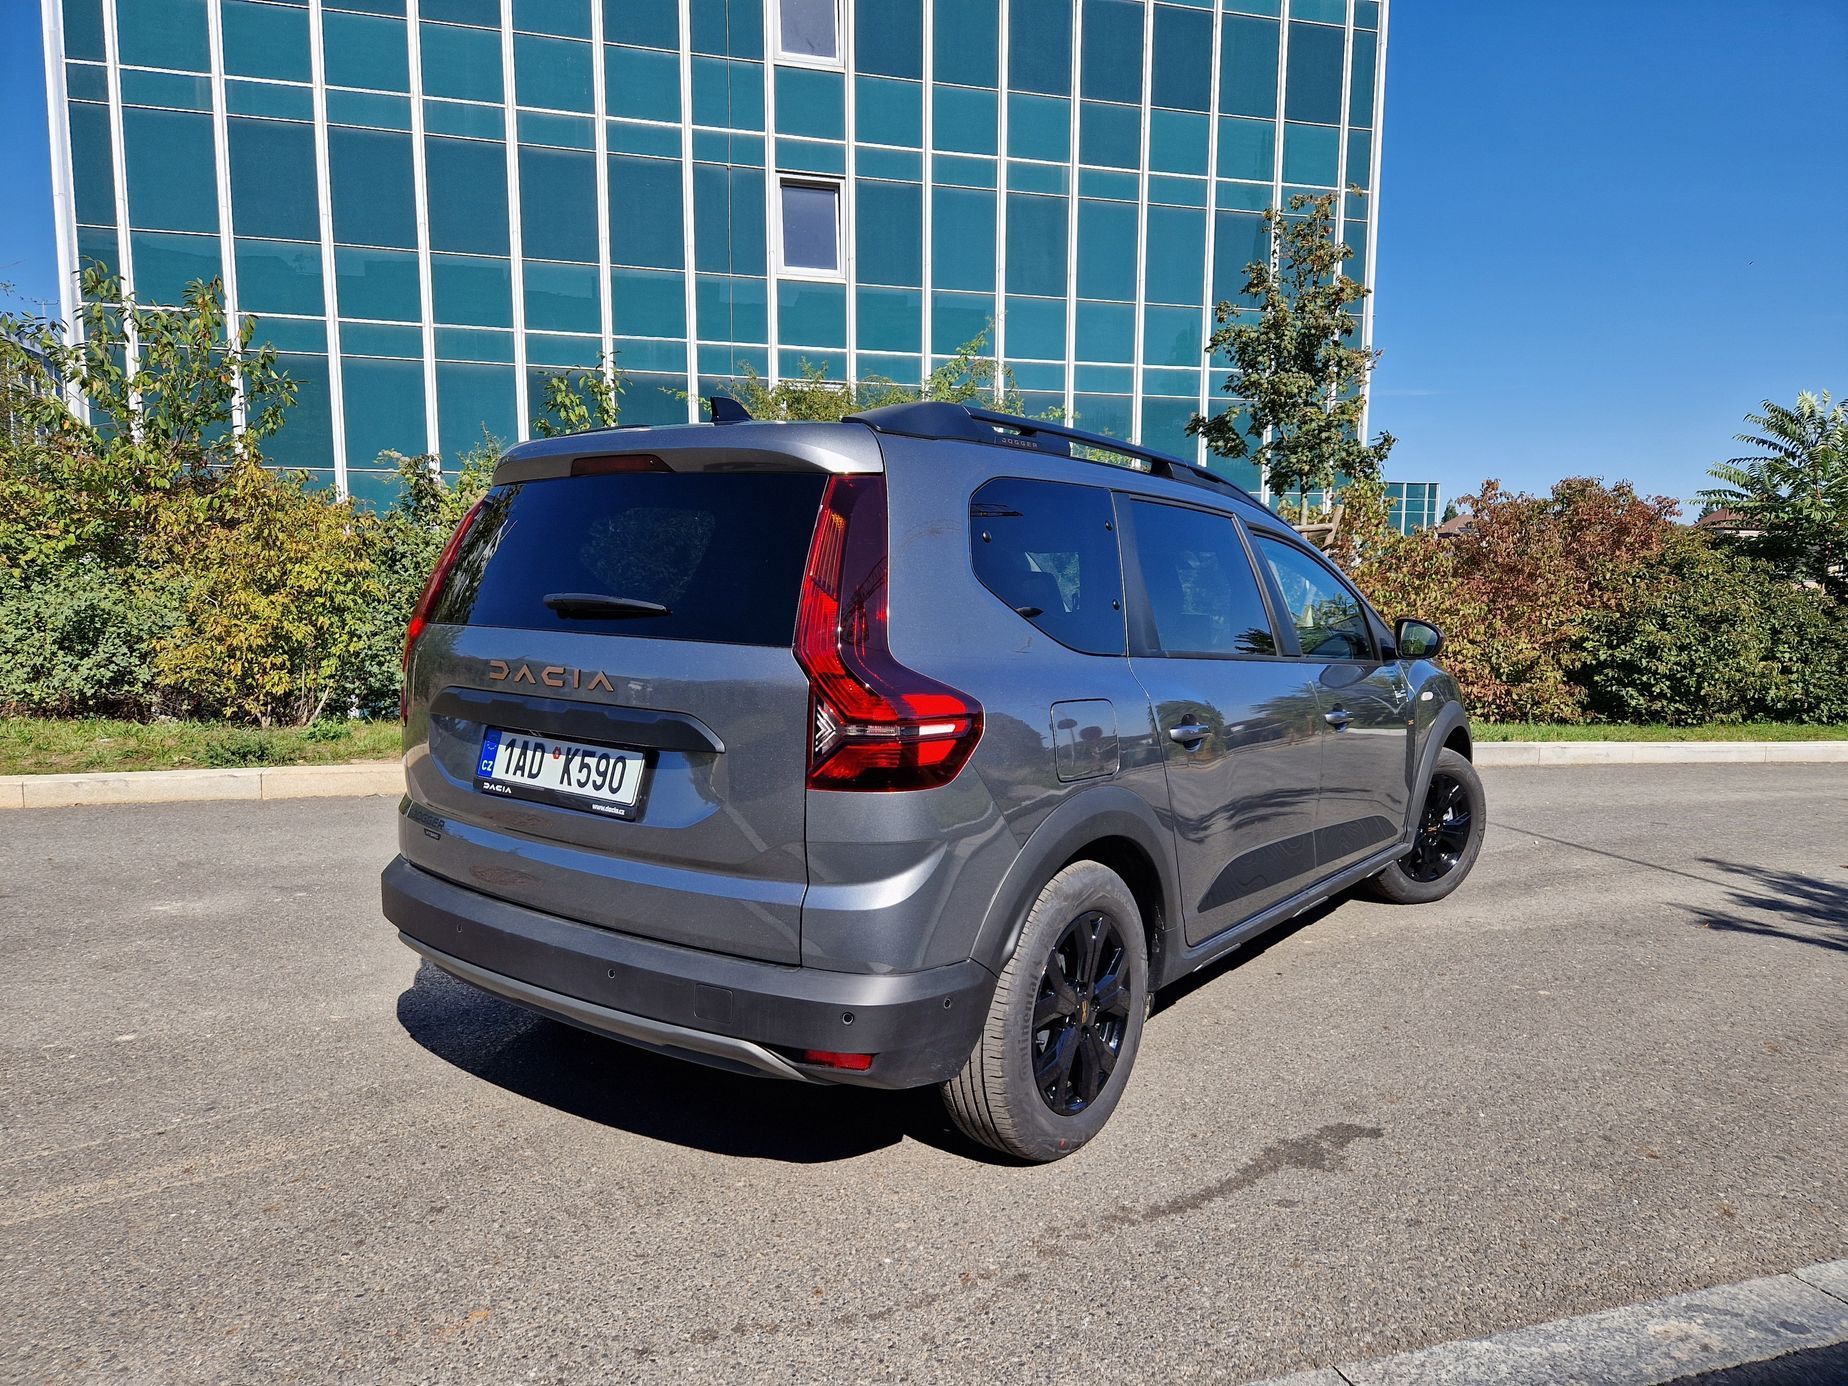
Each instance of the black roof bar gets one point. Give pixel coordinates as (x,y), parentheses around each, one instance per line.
(941,419)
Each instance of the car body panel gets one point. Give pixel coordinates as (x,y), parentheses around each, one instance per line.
(1366,763)
(715,858)
(1243,798)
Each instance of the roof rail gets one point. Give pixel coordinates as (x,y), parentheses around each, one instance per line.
(941,419)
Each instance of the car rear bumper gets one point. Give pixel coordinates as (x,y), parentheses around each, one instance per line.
(711,1008)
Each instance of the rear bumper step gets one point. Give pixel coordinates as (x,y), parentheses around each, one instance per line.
(734,1013)
(636,1029)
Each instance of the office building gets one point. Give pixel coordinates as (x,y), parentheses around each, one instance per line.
(431,205)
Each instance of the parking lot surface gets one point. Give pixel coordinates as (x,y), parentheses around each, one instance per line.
(249,1137)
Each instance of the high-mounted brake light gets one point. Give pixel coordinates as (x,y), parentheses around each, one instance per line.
(875,724)
(420,614)
(609,464)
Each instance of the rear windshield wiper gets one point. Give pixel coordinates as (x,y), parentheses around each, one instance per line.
(597,606)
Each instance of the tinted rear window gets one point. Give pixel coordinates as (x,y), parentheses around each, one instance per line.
(1048,549)
(724,552)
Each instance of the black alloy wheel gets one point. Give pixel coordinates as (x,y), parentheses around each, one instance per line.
(1443,831)
(1061,1035)
(1081,1013)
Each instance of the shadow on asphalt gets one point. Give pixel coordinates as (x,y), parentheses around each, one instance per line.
(1803,909)
(618,1085)
(1177,993)
(1807,909)
(1822,1366)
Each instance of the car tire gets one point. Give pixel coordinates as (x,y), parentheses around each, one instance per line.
(1065,1023)
(1452,818)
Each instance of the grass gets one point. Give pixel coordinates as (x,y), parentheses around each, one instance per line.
(35,745)
(1610,731)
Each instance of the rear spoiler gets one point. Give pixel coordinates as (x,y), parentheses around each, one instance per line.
(744,446)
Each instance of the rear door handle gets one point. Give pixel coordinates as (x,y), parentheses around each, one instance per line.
(1185,732)
(1339,718)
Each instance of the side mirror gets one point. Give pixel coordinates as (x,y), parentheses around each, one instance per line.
(1418,639)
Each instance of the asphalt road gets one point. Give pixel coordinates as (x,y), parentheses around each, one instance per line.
(248,1138)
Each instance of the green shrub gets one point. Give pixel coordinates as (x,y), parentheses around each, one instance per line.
(1808,637)
(278,582)
(1703,634)
(1512,595)
(80,639)
(405,543)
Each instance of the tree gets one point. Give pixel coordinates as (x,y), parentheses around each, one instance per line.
(171,422)
(171,414)
(1300,381)
(1365,527)
(582,399)
(968,377)
(1794,489)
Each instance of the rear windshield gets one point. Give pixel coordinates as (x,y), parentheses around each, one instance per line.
(723,552)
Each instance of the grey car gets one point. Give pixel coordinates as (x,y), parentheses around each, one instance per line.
(917,749)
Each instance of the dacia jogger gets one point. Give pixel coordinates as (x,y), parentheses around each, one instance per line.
(916,749)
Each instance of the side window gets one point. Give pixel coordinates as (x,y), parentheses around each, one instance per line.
(1330,621)
(1203,596)
(1049,550)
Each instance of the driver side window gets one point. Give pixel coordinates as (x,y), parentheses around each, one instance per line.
(1330,622)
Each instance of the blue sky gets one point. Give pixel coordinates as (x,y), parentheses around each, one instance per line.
(1609,228)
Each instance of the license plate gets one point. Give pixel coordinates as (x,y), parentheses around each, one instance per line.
(571,774)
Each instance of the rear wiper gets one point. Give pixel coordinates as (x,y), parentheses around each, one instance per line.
(595,605)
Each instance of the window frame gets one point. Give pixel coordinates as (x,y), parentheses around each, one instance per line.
(1144,642)
(782,56)
(779,259)
(1286,622)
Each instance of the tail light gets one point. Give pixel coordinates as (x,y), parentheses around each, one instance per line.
(420,614)
(874,723)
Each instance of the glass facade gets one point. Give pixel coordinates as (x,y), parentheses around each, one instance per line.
(432,204)
(1415,505)
(1411,505)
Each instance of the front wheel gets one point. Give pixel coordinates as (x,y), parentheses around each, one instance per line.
(1066,1021)
(1446,840)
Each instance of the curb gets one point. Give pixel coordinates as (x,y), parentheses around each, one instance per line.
(1680,1339)
(387,776)
(182,786)
(1507,753)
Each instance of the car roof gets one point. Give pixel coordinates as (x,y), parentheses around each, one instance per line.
(735,441)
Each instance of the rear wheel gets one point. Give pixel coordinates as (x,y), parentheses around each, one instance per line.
(1065,1024)
(1446,840)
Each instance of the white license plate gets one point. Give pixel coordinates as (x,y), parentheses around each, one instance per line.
(599,779)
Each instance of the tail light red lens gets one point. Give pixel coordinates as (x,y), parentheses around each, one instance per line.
(876,725)
(420,614)
(827,1058)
